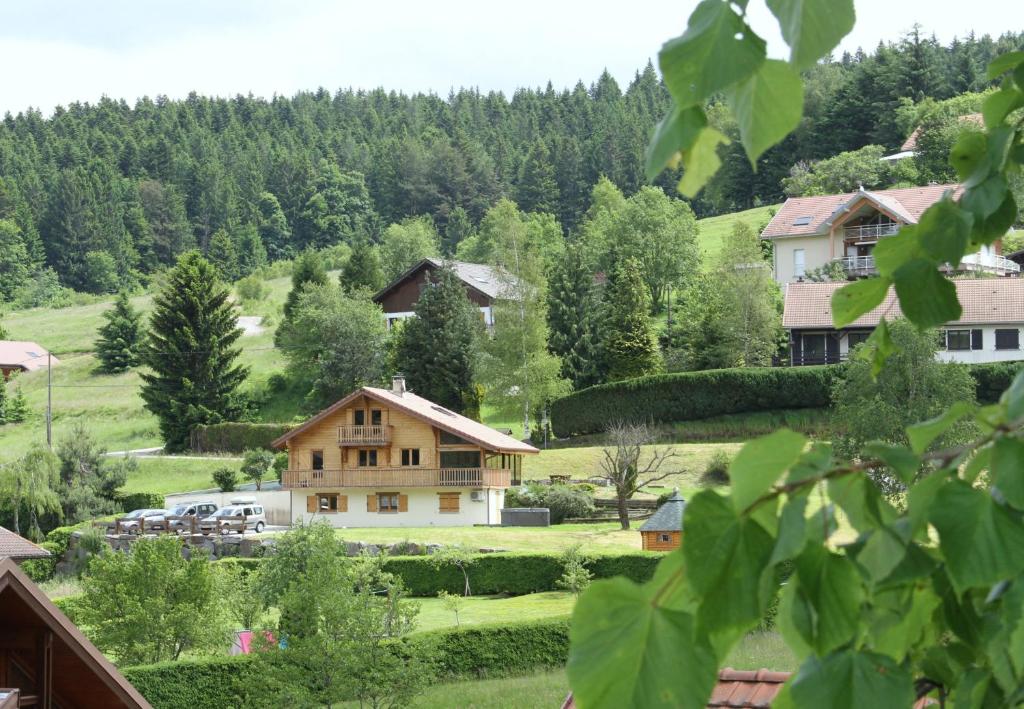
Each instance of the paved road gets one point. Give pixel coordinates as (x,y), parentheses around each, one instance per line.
(158,453)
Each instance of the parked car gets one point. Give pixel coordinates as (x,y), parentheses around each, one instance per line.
(131,523)
(200,510)
(231,519)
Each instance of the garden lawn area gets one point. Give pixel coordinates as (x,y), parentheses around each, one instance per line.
(548,689)
(714,230)
(168,475)
(597,536)
(494,609)
(585,462)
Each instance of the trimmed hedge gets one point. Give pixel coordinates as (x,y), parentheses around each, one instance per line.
(686,396)
(514,573)
(140,501)
(235,437)
(481,651)
(991,379)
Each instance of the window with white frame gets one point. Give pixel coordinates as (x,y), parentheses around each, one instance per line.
(799,263)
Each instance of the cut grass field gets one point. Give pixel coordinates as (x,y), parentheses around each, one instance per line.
(595,536)
(168,475)
(479,610)
(714,230)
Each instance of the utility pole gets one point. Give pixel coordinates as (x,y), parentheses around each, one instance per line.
(49,400)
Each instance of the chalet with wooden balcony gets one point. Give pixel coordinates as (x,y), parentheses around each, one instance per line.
(809,233)
(390,458)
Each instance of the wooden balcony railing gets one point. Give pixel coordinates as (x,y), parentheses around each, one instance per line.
(364,435)
(397,477)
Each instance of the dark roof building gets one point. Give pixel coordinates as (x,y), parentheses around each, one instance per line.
(483,286)
(664,530)
(47,659)
(18,548)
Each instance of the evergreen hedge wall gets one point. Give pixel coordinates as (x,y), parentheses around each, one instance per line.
(235,437)
(992,379)
(686,396)
(482,651)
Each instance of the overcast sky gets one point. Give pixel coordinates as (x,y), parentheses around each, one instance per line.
(58,51)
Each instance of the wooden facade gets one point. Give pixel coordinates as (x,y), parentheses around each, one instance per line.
(661,541)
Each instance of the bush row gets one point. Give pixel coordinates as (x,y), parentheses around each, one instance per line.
(686,396)
(482,651)
(991,379)
(235,437)
(514,573)
(139,500)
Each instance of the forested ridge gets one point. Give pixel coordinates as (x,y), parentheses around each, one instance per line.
(104,193)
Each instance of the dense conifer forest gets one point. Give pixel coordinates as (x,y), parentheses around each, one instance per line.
(104,193)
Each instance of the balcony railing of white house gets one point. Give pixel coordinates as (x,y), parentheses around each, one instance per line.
(397,477)
(986,263)
(870,231)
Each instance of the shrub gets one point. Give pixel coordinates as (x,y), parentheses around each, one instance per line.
(235,437)
(139,500)
(991,379)
(251,288)
(562,500)
(226,479)
(669,398)
(716,472)
(40,570)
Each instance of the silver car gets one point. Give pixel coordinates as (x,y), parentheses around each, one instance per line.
(131,523)
(237,518)
(199,510)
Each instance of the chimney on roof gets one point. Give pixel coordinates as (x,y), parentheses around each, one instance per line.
(398,384)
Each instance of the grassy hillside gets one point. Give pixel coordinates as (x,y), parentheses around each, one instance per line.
(714,230)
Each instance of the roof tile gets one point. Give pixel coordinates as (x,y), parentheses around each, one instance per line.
(17,547)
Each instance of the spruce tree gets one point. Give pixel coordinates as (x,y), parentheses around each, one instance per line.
(630,349)
(573,319)
(120,337)
(191,353)
(363,269)
(4,403)
(223,255)
(308,268)
(16,408)
(537,190)
(436,349)
(458,229)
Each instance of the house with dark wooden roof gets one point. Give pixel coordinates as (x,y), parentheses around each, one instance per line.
(45,661)
(484,284)
(664,530)
(809,233)
(389,458)
(13,546)
(988,329)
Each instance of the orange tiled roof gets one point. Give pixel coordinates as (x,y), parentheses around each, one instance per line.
(800,216)
(746,688)
(985,301)
(911,142)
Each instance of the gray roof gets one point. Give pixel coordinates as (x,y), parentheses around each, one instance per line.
(668,517)
(480,276)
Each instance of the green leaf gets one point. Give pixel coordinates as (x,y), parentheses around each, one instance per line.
(969,156)
(999,105)
(1013,398)
(881,554)
(981,460)
(900,629)
(812,28)
(767,105)
(986,197)
(717,50)
(857,298)
(920,499)
(900,460)
(727,565)
(943,232)
(862,502)
(831,586)
(627,651)
(891,254)
(922,434)
(1004,63)
(980,540)
(1008,469)
(792,534)
(927,298)
(995,225)
(814,463)
(760,463)
(848,679)
(676,132)
(701,161)
(878,347)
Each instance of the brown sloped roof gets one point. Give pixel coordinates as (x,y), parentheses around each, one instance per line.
(818,212)
(82,676)
(425,410)
(24,354)
(13,546)
(985,301)
(911,142)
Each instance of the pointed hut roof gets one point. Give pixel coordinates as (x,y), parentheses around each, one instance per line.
(668,517)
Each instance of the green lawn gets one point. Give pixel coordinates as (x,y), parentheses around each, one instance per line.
(714,230)
(494,609)
(597,536)
(169,475)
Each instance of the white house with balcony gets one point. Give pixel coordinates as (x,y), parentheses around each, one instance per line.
(809,233)
(988,330)
(390,458)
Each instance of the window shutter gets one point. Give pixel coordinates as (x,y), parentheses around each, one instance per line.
(976,340)
(342,503)
(403,503)
(371,503)
(311,503)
